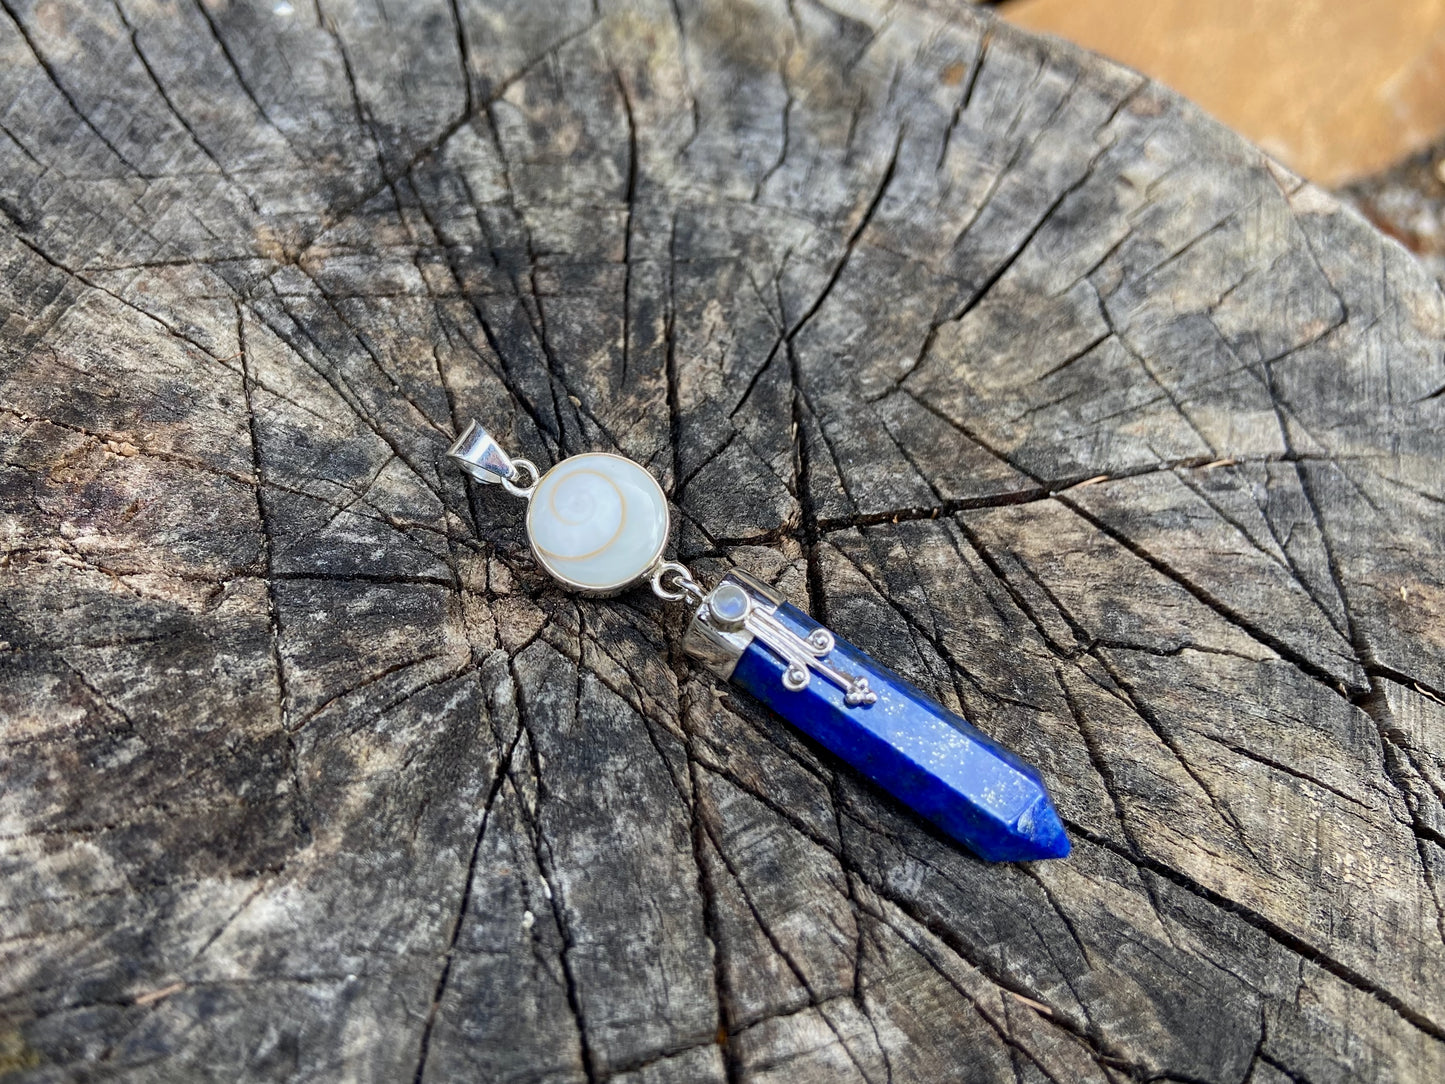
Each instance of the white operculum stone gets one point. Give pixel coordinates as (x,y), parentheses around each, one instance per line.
(597,522)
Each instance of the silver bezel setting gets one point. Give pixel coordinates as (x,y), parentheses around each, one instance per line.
(611,589)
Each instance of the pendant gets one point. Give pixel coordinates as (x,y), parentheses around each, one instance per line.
(598,523)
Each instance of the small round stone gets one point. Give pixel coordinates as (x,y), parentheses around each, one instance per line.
(597,522)
(729,605)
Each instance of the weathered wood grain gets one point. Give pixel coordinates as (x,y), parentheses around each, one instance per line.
(1014,368)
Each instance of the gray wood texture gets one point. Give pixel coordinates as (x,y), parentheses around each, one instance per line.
(1010,365)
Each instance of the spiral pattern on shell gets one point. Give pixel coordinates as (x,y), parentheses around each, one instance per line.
(597,522)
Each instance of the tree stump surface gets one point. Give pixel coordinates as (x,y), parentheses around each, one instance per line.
(1008,364)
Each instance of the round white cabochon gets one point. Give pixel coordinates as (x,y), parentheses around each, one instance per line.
(597,521)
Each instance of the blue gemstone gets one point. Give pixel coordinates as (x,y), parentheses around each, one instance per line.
(913,747)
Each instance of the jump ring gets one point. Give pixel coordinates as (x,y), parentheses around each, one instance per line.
(525,492)
(687,587)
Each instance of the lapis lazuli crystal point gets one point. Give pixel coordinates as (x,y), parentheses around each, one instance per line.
(938,764)
(1040,833)
(1052,841)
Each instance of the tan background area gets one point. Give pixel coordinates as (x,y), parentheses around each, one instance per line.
(1336,89)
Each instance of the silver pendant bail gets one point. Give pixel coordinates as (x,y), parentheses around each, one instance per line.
(481,456)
